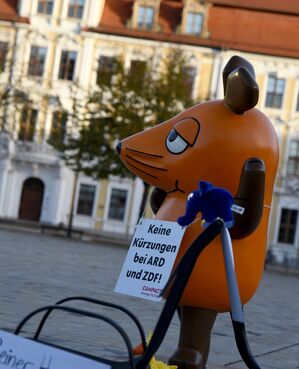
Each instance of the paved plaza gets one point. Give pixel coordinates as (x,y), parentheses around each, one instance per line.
(38,270)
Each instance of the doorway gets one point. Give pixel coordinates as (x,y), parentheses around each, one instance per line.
(31,199)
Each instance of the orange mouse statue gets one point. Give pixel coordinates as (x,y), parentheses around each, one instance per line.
(232,145)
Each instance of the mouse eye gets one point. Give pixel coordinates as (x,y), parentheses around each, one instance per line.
(190,195)
(175,143)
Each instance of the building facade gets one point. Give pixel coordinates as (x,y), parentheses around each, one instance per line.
(49,46)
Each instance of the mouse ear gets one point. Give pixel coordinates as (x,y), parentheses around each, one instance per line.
(205,186)
(242,91)
(234,63)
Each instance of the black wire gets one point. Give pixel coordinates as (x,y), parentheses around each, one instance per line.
(243,345)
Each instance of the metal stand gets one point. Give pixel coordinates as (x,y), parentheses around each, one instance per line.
(237,314)
(180,279)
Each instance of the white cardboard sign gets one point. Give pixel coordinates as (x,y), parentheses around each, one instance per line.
(150,258)
(19,353)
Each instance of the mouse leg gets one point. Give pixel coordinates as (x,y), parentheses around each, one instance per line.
(194,341)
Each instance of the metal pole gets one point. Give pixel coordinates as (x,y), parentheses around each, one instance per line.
(233,289)
(70,225)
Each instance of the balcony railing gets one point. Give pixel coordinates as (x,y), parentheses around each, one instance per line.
(28,151)
(34,152)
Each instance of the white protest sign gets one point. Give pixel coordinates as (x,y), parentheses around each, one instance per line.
(19,353)
(150,258)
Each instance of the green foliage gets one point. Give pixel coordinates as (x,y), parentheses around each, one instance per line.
(11,96)
(170,88)
(124,102)
(91,152)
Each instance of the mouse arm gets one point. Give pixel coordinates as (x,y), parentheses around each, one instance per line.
(250,196)
(156,199)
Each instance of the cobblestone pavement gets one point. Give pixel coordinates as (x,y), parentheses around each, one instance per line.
(38,270)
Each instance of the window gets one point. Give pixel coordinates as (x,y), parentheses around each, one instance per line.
(27,124)
(3,53)
(287,227)
(137,73)
(37,61)
(189,78)
(106,67)
(76,8)
(45,6)
(117,205)
(293,160)
(137,67)
(145,17)
(194,23)
(275,92)
(86,199)
(58,129)
(67,65)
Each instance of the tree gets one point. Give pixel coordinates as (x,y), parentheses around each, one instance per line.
(14,99)
(123,103)
(172,88)
(126,102)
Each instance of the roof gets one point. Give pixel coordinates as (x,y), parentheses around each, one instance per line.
(285,6)
(117,13)
(259,26)
(9,11)
(255,31)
